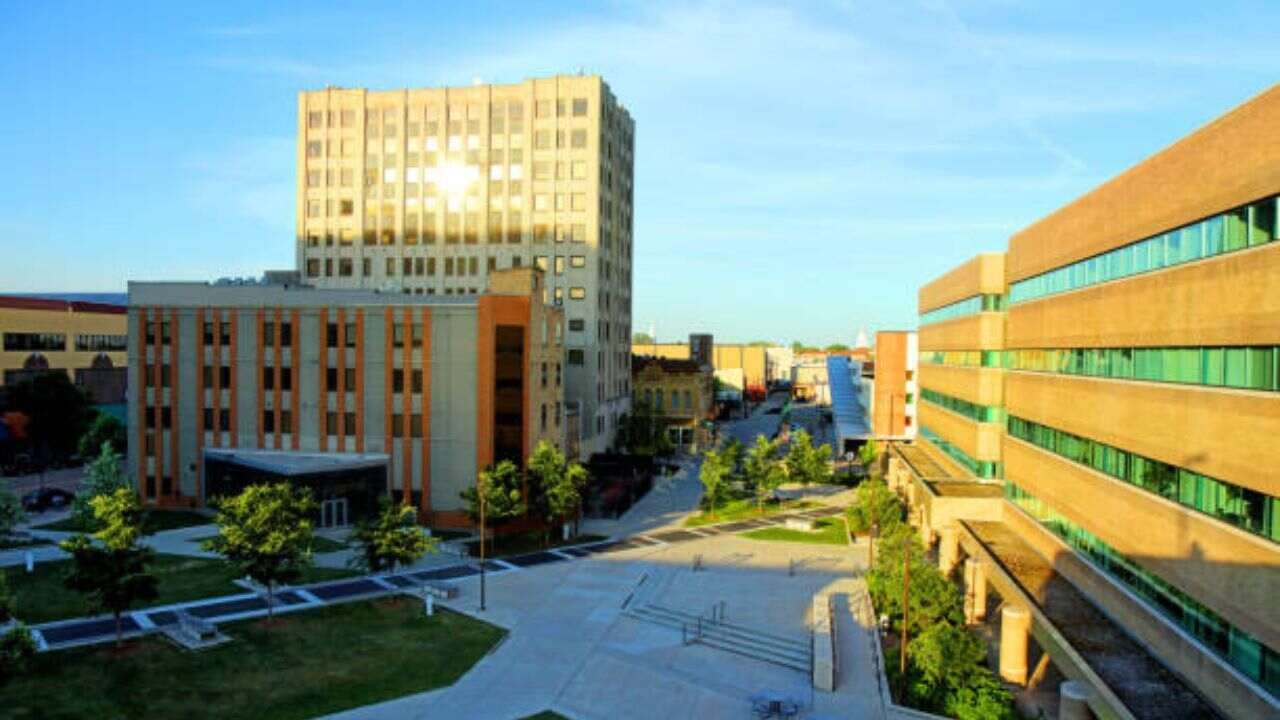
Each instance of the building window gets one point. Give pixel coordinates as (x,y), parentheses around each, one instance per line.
(577,293)
(576,357)
(349,424)
(579,107)
(35,341)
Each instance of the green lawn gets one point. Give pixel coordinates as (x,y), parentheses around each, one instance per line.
(744,508)
(156,521)
(318,544)
(41,597)
(521,543)
(315,663)
(830,531)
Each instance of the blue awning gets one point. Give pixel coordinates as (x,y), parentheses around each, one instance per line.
(846,404)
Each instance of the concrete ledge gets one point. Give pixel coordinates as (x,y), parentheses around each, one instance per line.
(824,645)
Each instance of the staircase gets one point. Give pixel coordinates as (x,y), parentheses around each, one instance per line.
(711,630)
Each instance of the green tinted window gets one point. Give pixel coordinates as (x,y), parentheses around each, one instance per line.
(1253,368)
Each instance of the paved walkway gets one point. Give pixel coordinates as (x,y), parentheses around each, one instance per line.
(84,631)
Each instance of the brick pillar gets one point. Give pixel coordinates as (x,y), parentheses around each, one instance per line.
(1015,628)
(949,551)
(975,592)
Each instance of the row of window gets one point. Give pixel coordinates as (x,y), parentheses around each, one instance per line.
(1242,651)
(963,358)
(102,343)
(987,302)
(453,233)
(654,399)
(454,115)
(22,341)
(980,468)
(1254,368)
(973,411)
(1239,228)
(1238,506)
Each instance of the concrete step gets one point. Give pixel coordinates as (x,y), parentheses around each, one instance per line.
(762,636)
(792,654)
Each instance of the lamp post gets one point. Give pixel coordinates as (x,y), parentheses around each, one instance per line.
(480,490)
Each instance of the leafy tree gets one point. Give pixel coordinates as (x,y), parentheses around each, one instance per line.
(17,647)
(265,532)
(7,604)
(499,488)
(761,343)
(104,429)
(556,485)
(874,503)
(391,538)
(933,598)
(59,414)
(104,476)
(11,512)
(763,469)
(643,431)
(868,453)
(642,338)
(836,347)
(112,573)
(806,464)
(733,453)
(713,473)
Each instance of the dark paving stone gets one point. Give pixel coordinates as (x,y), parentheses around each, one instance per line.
(711,529)
(576,551)
(162,618)
(230,607)
(535,558)
(289,597)
(447,573)
(85,630)
(345,589)
(673,536)
(620,545)
(400,581)
(738,526)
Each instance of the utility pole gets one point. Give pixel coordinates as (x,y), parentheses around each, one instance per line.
(906,590)
(480,490)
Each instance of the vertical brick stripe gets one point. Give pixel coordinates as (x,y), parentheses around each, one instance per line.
(174,397)
(359,380)
(157,415)
(277,401)
(200,428)
(140,447)
(259,401)
(323,343)
(406,406)
(425,503)
(235,363)
(217,377)
(295,330)
(388,366)
(342,380)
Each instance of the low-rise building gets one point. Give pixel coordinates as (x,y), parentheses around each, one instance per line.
(681,392)
(86,340)
(355,393)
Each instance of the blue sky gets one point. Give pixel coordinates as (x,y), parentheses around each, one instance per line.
(801,168)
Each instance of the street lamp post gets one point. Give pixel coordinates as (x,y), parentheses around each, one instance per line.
(480,490)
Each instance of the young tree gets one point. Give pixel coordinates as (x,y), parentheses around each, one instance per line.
(868,453)
(11,512)
(498,488)
(556,485)
(806,464)
(17,647)
(265,532)
(104,476)
(59,413)
(643,432)
(874,504)
(112,573)
(763,469)
(391,538)
(713,473)
(104,429)
(732,453)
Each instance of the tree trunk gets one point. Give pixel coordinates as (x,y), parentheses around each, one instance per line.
(271,604)
(119,629)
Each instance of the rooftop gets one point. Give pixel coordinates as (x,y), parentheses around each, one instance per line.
(296,463)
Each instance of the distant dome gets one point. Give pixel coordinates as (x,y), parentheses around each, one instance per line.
(862,342)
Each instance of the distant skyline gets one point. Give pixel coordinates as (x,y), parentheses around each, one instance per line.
(799,171)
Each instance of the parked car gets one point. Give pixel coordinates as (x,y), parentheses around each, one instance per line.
(46,499)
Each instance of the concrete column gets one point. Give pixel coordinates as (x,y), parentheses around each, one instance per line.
(1073,703)
(1015,628)
(975,592)
(949,551)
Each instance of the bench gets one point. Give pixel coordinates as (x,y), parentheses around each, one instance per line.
(194,633)
(443,591)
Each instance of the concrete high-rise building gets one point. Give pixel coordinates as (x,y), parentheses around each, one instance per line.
(1110,388)
(427,190)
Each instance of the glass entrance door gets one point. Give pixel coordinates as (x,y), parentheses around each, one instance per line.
(333,513)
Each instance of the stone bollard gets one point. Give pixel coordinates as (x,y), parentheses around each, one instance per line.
(1073,703)
(975,592)
(1015,628)
(949,551)
(431,605)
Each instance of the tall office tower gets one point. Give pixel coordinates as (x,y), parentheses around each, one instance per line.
(426,191)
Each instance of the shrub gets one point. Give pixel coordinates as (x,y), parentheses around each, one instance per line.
(17,647)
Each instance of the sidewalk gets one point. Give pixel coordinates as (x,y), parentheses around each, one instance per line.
(228,608)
